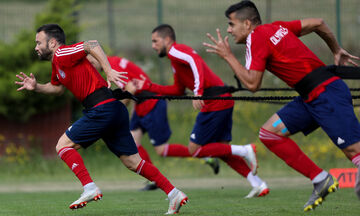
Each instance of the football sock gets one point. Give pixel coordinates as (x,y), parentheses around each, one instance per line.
(151,173)
(289,151)
(213,150)
(356,160)
(143,154)
(238,164)
(238,150)
(172,193)
(255,181)
(175,150)
(75,162)
(321,176)
(89,186)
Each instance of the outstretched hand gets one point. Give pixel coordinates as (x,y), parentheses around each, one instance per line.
(220,46)
(26,82)
(117,77)
(342,57)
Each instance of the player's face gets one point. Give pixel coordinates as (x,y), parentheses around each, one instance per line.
(42,46)
(238,29)
(158,44)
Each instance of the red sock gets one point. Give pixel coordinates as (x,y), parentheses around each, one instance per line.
(238,164)
(143,154)
(356,160)
(75,162)
(213,150)
(175,150)
(150,172)
(289,151)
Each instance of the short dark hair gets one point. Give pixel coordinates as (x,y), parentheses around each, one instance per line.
(53,31)
(165,30)
(244,10)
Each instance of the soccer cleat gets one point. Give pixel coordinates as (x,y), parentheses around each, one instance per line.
(149,186)
(260,191)
(214,164)
(357,183)
(321,190)
(175,203)
(87,196)
(250,157)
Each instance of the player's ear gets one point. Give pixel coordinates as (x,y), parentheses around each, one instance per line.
(52,43)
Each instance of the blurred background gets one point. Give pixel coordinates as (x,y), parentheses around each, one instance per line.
(30,124)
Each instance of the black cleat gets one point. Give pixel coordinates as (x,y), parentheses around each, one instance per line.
(214,164)
(149,186)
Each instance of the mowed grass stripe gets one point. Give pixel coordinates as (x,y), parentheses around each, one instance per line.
(227,201)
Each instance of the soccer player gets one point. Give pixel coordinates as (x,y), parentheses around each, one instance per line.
(325,100)
(211,134)
(149,116)
(104,116)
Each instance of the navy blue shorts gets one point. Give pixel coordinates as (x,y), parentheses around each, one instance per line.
(212,127)
(332,111)
(155,123)
(109,122)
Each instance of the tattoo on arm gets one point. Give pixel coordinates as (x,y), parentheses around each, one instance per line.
(89,45)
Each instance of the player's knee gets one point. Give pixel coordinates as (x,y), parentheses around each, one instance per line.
(131,162)
(161,149)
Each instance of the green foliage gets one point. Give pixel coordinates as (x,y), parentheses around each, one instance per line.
(21,57)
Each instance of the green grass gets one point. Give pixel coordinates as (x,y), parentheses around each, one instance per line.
(211,201)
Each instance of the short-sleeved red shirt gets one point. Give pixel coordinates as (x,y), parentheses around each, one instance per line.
(134,72)
(71,68)
(191,71)
(277,48)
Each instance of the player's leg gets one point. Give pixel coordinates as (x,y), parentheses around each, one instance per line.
(137,135)
(137,132)
(237,163)
(67,151)
(157,125)
(176,197)
(292,118)
(339,121)
(211,134)
(120,141)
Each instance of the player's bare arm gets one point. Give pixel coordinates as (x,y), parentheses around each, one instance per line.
(29,83)
(93,48)
(317,25)
(250,78)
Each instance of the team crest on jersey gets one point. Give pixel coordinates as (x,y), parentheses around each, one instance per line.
(62,73)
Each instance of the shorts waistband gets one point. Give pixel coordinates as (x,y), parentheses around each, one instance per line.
(98,96)
(312,80)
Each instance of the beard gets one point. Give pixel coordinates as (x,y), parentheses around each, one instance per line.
(45,54)
(162,52)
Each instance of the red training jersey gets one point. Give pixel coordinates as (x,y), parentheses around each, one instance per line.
(71,68)
(277,48)
(191,71)
(134,72)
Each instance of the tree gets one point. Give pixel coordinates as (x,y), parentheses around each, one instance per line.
(20,56)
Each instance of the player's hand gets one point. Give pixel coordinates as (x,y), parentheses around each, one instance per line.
(142,83)
(198,104)
(220,46)
(119,78)
(26,82)
(342,57)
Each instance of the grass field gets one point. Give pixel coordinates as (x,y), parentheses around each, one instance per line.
(284,199)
